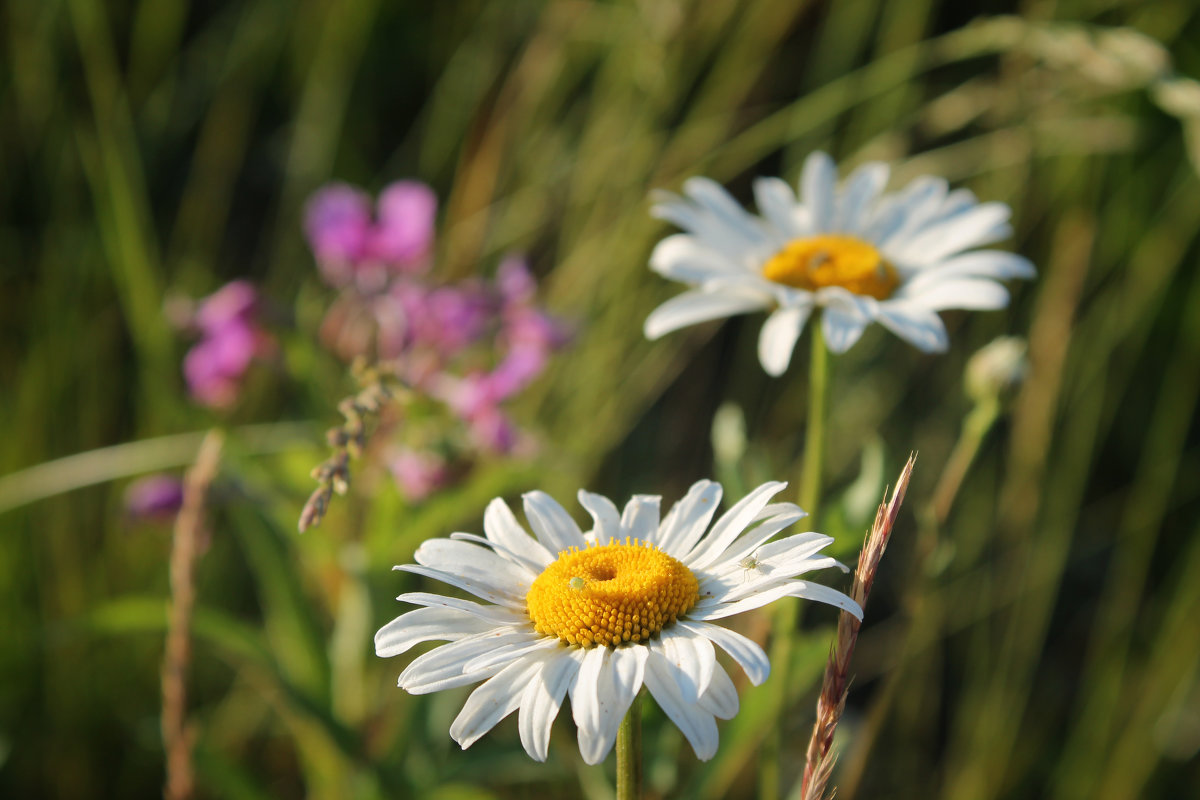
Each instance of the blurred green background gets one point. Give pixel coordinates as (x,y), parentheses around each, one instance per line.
(1035,635)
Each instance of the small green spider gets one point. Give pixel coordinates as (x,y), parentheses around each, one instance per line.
(749,563)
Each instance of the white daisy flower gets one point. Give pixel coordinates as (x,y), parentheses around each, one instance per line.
(598,615)
(857,253)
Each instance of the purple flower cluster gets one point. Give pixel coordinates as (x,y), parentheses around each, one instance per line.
(155,498)
(524,337)
(355,248)
(418,473)
(469,346)
(230,338)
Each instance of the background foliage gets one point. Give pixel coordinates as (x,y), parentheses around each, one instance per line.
(1039,642)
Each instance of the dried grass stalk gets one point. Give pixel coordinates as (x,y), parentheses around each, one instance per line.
(836,685)
(177,734)
(361,411)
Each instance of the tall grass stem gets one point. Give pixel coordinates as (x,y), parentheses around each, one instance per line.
(769,781)
(814,432)
(836,684)
(178,735)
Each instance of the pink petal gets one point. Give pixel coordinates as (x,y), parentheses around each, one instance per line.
(337,222)
(405,229)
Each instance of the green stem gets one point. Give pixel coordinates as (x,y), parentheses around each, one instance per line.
(629,753)
(978,423)
(787,614)
(814,433)
(933,515)
(133,458)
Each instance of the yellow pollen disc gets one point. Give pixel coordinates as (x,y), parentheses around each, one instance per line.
(610,594)
(818,261)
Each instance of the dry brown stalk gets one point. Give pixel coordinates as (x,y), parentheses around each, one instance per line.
(177,734)
(349,439)
(836,685)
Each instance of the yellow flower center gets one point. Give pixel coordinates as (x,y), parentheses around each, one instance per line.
(610,594)
(815,262)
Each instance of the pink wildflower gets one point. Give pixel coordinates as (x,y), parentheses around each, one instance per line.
(230,339)
(418,473)
(353,248)
(154,497)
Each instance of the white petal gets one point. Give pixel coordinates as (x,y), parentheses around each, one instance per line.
(683,213)
(767,577)
(512,651)
(783,558)
(426,625)
(858,196)
(697,725)
(919,326)
(625,673)
(817,183)
(790,588)
(684,258)
(971,293)
(977,226)
(606,519)
(551,523)
(737,239)
(442,667)
(498,615)
(991,264)
(640,518)
(753,539)
(541,703)
(493,701)
(476,563)
(777,202)
(886,219)
(919,202)
(713,197)
(782,508)
(767,580)
(697,306)
(778,338)
(749,656)
(486,588)
(957,202)
(793,549)
(585,695)
(823,594)
(994,264)
(731,525)
(814,564)
(529,566)
(500,526)
(721,699)
(842,328)
(703,611)
(607,682)
(688,519)
(690,659)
